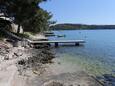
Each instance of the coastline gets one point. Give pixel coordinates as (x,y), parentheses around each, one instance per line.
(19,71)
(70,26)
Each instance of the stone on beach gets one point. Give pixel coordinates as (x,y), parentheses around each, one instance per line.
(53,83)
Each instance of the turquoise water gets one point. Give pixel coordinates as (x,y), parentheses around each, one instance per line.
(96,56)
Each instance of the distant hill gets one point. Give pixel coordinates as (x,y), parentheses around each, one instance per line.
(80,27)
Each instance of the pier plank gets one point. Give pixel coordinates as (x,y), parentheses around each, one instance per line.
(58,41)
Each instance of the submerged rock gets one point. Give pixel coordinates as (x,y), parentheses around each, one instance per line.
(53,83)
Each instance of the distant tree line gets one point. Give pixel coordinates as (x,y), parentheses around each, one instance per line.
(80,27)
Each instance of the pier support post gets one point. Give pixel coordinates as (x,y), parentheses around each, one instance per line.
(77,44)
(49,44)
(56,44)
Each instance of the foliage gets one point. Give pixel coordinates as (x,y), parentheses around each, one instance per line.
(28,14)
(81,27)
(38,23)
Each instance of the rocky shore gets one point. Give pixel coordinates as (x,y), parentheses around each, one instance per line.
(19,60)
(21,66)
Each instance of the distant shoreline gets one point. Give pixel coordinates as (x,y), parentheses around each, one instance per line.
(81,27)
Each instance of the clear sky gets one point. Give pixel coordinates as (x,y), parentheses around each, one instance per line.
(82,11)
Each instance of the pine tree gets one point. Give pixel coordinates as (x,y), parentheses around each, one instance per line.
(28,14)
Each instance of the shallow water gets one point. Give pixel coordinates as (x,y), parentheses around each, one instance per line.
(96,56)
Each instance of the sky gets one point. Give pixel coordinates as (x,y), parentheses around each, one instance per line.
(81,11)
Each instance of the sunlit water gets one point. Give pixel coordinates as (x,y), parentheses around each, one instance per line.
(96,56)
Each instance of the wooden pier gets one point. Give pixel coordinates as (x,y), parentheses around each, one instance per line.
(76,42)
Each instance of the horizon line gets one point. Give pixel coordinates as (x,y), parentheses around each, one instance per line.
(84,23)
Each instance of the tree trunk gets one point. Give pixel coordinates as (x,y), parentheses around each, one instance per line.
(18,29)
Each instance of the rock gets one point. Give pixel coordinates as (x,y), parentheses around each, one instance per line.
(53,83)
(18,54)
(6,58)
(59,63)
(21,62)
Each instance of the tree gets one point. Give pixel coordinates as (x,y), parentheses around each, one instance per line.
(39,22)
(27,13)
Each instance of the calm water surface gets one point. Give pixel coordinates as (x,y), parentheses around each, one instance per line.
(96,56)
